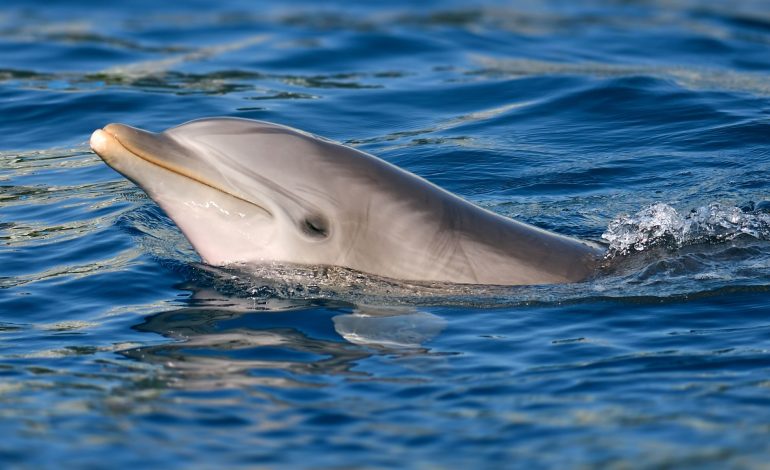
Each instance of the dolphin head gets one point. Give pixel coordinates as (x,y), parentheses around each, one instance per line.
(246,191)
(242,190)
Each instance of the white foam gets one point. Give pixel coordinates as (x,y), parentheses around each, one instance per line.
(661,224)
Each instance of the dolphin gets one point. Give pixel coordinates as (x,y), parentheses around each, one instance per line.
(245,191)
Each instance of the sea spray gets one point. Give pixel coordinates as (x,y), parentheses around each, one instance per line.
(662,225)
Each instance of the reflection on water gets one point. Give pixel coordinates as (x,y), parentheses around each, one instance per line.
(222,341)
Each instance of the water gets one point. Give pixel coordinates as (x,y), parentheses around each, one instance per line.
(643,125)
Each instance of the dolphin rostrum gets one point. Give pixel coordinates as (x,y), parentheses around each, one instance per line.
(245,191)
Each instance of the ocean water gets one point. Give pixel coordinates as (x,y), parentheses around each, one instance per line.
(641,125)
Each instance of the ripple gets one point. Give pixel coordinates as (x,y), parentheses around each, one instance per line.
(687,77)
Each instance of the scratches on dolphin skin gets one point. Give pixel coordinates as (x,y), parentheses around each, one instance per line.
(291,203)
(208,205)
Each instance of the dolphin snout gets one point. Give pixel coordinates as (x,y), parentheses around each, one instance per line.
(115,128)
(157,148)
(100,141)
(117,142)
(131,136)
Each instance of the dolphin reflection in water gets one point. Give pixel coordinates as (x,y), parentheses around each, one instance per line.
(221,340)
(245,191)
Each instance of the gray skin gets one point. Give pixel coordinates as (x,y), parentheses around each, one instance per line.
(246,191)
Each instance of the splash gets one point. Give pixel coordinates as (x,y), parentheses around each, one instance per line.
(661,225)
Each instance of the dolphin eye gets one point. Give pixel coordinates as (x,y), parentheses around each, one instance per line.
(315,226)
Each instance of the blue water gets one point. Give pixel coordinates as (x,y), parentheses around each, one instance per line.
(645,123)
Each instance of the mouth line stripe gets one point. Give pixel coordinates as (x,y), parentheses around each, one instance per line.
(174,169)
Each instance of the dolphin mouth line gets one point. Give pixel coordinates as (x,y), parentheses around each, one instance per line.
(179,171)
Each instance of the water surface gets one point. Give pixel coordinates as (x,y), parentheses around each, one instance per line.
(643,125)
